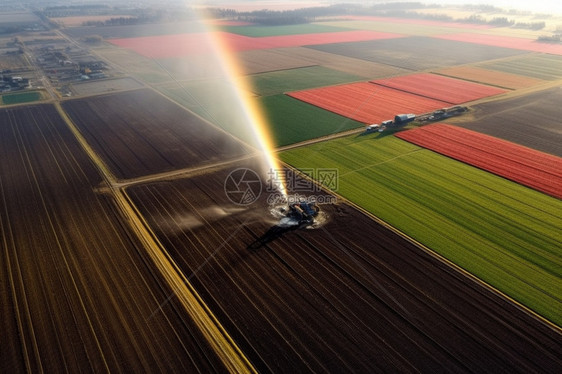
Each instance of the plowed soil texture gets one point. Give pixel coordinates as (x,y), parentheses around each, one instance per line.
(141,132)
(532,120)
(347,294)
(77,291)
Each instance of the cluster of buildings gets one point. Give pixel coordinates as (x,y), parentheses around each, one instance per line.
(67,64)
(403,119)
(11,82)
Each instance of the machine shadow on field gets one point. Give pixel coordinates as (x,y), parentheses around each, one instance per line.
(298,215)
(273,233)
(375,135)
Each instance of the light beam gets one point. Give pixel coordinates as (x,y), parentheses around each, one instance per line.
(251,111)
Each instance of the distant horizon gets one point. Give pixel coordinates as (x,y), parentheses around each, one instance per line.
(542,6)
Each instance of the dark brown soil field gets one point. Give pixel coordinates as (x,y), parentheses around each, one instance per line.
(346,296)
(417,52)
(532,120)
(77,291)
(141,132)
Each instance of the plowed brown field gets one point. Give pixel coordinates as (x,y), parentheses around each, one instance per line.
(349,295)
(141,132)
(77,292)
(532,120)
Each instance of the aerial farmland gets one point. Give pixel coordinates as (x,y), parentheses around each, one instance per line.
(312,188)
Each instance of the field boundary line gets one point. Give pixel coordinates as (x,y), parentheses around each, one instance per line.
(180,173)
(434,254)
(456,267)
(215,334)
(98,162)
(336,135)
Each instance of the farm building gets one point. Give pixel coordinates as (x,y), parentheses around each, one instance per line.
(402,119)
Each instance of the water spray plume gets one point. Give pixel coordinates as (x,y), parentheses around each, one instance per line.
(252,112)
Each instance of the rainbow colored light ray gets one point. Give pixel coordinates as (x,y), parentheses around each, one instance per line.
(252,112)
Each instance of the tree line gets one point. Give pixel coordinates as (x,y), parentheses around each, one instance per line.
(399,10)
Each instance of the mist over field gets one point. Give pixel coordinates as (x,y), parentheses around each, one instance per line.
(546,6)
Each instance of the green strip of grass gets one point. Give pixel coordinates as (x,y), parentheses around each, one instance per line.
(292,121)
(288,120)
(299,79)
(21,97)
(213,100)
(504,233)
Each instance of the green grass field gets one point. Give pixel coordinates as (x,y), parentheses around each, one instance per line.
(206,98)
(21,97)
(259,31)
(292,121)
(289,120)
(505,234)
(278,82)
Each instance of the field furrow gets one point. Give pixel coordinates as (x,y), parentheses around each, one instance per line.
(348,293)
(78,293)
(141,132)
(510,233)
